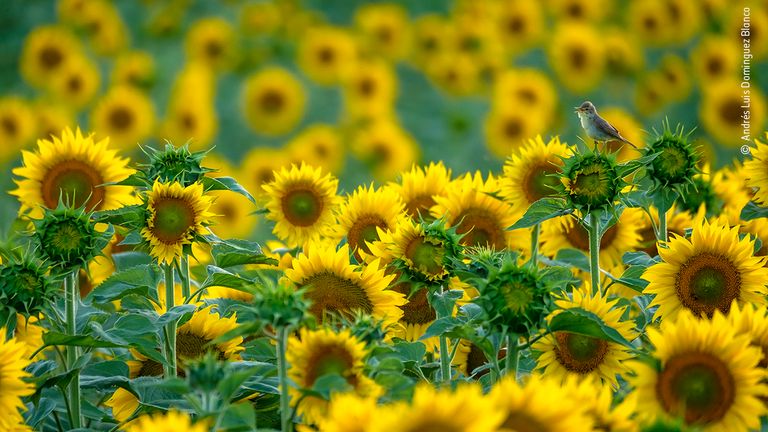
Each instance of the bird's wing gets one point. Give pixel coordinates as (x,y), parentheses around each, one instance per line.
(607,127)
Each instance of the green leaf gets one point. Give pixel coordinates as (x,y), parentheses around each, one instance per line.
(55,338)
(219,277)
(410,351)
(131,216)
(230,253)
(138,179)
(226,183)
(178,314)
(444,302)
(141,280)
(573,257)
(327,384)
(541,210)
(126,260)
(627,168)
(632,278)
(583,322)
(638,259)
(753,211)
(39,412)
(228,386)
(441,326)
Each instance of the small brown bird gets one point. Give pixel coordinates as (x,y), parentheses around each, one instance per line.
(596,127)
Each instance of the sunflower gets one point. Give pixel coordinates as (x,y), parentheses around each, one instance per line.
(707,374)
(630,128)
(302,202)
(77,82)
(418,187)
(385,29)
(529,173)
(649,94)
(233,215)
(464,409)
(100,21)
(520,24)
(580,10)
(481,218)
(348,412)
(431,37)
(386,148)
(528,87)
(758,26)
(755,171)
(676,78)
(722,114)
(191,114)
(456,73)
(46,50)
(273,101)
(51,118)
(260,18)
(13,361)
(325,54)
(30,332)
(334,285)
(170,421)
(17,126)
(96,272)
(752,320)
(563,354)
(715,58)
(175,214)
(258,169)
(134,68)
(71,166)
(598,399)
(577,50)
(318,145)
(507,128)
(540,404)
(364,212)
(706,273)
(125,114)
(320,352)
(212,41)
(370,90)
(624,55)
(649,21)
(677,223)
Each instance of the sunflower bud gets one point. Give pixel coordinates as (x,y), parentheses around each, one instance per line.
(280,305)
(68,238)
(175,164)
(24,288)
(675,163)
(591,181)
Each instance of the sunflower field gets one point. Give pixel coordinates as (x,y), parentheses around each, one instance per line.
(358,216)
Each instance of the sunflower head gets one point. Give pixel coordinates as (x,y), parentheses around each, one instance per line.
(676,159)
(425,252)
(205,373)
(175,164)
(280,305)
(68,238)
(591,181)
(24,288)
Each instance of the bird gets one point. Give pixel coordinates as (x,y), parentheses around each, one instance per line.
(596,127)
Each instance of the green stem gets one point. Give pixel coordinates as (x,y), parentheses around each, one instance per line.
(184,276)
(512,357)
(662,234)
(445,360)
(282,370)
(170,328)
(594,253)
(71,297)
(535,245)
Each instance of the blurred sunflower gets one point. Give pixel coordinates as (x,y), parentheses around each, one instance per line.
(71,166)
(577,50)
(455,73)
(46,50)
(507,129)
(333,285)
(431,37)
(623,236)
(170,421)
(233,216)
(212,42)
(526,87)
(386,148)
(563,354)
(125,114)
(191,114)
(707,375)
(540,404)
(96,272)
(755,171)
(520,24)
(685,18)
(715,58)
(649,95)
(677,223)
(706,273)
(29,331)
(348,412)
(134,68)
(464,409)
(385,29)
(598,399)
(649,21)
(363,213)
(478,216)
(529,174)
(624,55)
(175,215)
(370,90)
(325,54)
(733,22)
(580,10)
(418,187)
(318,145)
(474,41)
(258,168)
(17,126)
(13,361)
(260,18)
(100,21)
(722,115)
(315,353)
(751,320)
(76,83)
(676,75)
(51,118)
(273,101)
(302,202)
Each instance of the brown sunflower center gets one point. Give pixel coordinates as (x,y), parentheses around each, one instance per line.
(698,385)
(578,58)
(331,293)
(539,181)
(367,87)
(213,49)
(75,181)
(575,10)
(380,153)
(715,66)
(480,228)
(523,422)
(364,230)
(513,127)
(429,43)
(417,310)
(51,57)
(330,359)
(173,219)
(187,120)
(427,257)
(528,95)
(578,236)
(419,205)
(121,118)
(227,211)
(579,353)
(516,24)
(650,23)
(272,101)
(707,282)
(731,111)
(326,55)
(74,84)
(302,207)
(9,125)
(150,368)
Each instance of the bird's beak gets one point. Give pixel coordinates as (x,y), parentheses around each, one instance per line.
(577,109)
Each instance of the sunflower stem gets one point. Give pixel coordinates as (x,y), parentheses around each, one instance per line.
(445,360)
(184,276)
(282,370)
(594,253)
(170,328)
(535,245)
(662,234)
(71,297)
(512,357)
